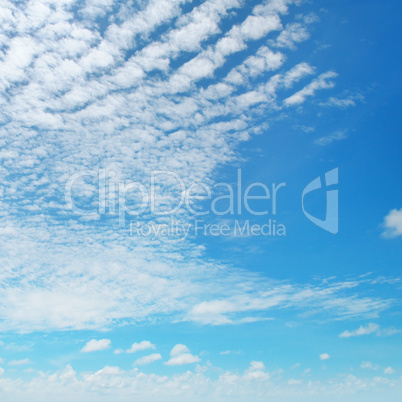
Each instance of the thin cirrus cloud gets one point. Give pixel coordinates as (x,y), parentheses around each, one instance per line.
(343,103)
(21,362)
(329,139)
(95,345)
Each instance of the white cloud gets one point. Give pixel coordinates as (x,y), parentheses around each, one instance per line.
(180,355)
(75,95)
(143,345)
(369,365)
(362,330)
(236,308)
(148,359)
(255,27)
(322,82)
(305,129)
(389,370)
(324,356)
(393,224)
(264,60)
(373,366)
(293,381)
(342,103)
(186,358)
(217,312)
(293,33)
(388,331)
(296,73)
(257,372)
(179,349)
(329,139)
(143,22)
(21,362)
(205,383)
(255,365)
(94,345)
(213,311)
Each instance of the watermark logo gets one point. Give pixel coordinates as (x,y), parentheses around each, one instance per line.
(177,230)
(164,195)
(331,221)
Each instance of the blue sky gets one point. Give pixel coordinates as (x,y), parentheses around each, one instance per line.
(112,112)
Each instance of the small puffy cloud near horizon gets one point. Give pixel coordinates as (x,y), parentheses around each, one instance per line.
(369,365)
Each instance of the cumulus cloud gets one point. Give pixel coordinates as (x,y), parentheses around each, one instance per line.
(257,371)
(94,345)
(186,358)
(179,349)
(374,366)
(207,382)
(393,224)
(362,330)
(147,359)
(324,356)
(180,355)
(143,345)
(389,370)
